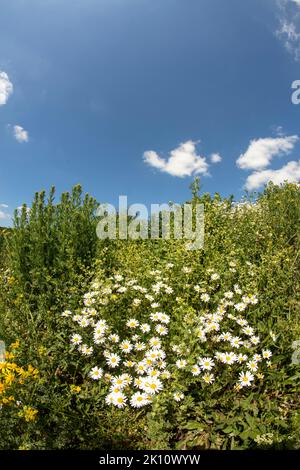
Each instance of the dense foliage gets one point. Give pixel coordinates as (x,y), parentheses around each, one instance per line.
(71,305)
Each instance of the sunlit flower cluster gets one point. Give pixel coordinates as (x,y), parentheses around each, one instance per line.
(137,357)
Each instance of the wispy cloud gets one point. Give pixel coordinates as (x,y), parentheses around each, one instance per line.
(260,152)
(289,172)
(6,88)
(182,161)
(289,26)
(20,134)
(4,215)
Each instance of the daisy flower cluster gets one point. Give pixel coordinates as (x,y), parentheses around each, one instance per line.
(136,357)
(226,340)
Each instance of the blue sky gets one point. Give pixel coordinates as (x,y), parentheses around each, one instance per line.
(101,91)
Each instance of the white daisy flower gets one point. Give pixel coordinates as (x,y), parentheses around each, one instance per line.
(245,379)
(151,385)
(195,370)
(76,339)
(66,313)
(254,340)
(161,330)
(139,346)
(145,328)
(252,365)
(206,363)
(205,298)
(208,378)
(236,342)
(139,399)
(266,354)
(114,338)
(126,346)
(181,363)
(155,343)
(112,360)
(132,323)
(96,373)
(178,396)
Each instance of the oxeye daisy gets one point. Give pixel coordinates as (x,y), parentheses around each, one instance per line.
(152,355)
(195,370)
(155,316)
(257,357)
(248,331)
(208,378)
(240,307)
(132,323)
(153,372)
(155,305)
(84,322)
(139,399)
(165,374)
(119,381)
(96,373)
(226,336)
(164,318)
(86,350)
(66,313)
(228,295)
(245,378)
(242,358)
(141,368)
(266,354)
(252,365)
(113,360)
(114,338)
(254,340)
(129,363)
(119,400)
(236,342)
(109,399)
(139,346)
(178,396)
(215,277)
(126,346)
(181,363)
(76,339)
(161,330)
(206,363)
(155,343)
(151,385)
(145,328)
(228,358)
(205,298)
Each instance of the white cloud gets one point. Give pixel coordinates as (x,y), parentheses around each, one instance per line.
(215,158)
(261,151)
(289,29)
(289,172)
(6,88)
(20,134)
(5,206)
(182,161)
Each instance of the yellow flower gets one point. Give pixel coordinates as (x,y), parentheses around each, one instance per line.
(9,355)
(28,413)
(15,345)
(75,388)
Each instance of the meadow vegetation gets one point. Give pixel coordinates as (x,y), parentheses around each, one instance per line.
(118,344)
